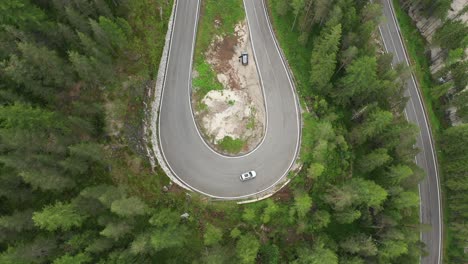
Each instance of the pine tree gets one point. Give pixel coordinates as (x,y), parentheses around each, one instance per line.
(18,221)
(116,230)
(319,255)
(372,126)
(20,13)
(373,160)
(247,248)
(212,236)
(168,232)
(127,207)
(324,59)
(39,70)
(359,83)
(359,244)
(58,216)
(302,204)
(270,211)
(320,219)
(452,35)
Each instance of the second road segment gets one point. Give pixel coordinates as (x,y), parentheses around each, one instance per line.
(429,190)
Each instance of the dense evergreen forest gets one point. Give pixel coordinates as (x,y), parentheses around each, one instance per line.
(74,187)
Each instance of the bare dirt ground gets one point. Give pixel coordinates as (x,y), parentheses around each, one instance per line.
(238,110)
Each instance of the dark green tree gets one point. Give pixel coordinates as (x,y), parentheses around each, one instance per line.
(324,60)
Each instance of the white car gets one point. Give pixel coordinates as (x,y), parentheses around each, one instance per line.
(248,175)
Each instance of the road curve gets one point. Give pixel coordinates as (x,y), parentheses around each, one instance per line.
(429,191)
(184,151)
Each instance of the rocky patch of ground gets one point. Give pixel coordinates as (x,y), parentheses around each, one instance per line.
(236,112)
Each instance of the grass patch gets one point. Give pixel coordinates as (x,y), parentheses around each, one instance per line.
(251,123)
(231,145)
(217,18)
(201,107)
(298,55)
(416,45)
(206,80)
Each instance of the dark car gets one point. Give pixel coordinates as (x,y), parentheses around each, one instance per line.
(244,58)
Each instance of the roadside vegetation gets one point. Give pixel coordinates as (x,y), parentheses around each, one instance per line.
(217,18)
(420,63)
(73,188)
(442,90)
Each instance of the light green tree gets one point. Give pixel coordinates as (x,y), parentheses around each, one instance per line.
(398,173)
(302,204)
(212,235)
(270,210)
(235,233)
(58,216)
(116,230)
(359,244)
(141,244)
(131,206)
(318,255)
(373,125)
(168,232)
(391,249)
(320,219)
(406,200)
(373,160)
(247,248)
(315,170)
(250,215)
(20,13)
(347,216)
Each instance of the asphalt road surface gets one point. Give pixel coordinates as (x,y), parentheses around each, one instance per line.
(429,191)
(183,149)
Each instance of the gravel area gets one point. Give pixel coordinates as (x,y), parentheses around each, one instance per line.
(237,111)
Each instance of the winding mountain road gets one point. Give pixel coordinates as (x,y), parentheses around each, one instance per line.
(429,191)
(203,170)
(187,155)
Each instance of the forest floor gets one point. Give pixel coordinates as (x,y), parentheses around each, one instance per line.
(227,97)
